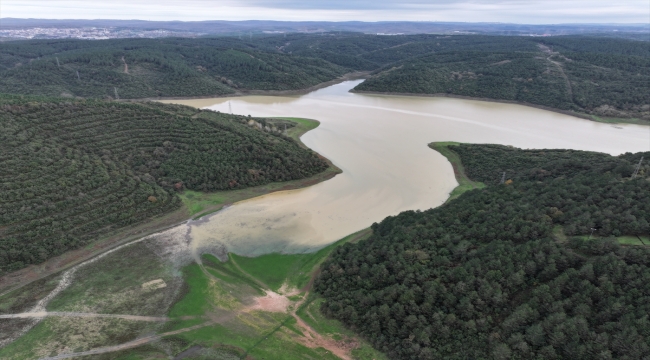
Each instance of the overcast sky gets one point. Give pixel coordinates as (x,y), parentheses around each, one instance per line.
(512,11)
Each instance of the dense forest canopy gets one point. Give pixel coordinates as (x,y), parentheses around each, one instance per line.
(73,170)
(602,77)
(493,274)
(594,75)
(140,68)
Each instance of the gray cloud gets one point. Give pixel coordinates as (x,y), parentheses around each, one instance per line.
(516,11)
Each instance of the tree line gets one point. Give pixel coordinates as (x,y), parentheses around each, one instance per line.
(74,170)
(491,273)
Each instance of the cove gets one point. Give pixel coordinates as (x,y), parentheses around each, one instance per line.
(380,143)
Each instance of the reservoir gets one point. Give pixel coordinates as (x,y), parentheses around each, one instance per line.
(380,143)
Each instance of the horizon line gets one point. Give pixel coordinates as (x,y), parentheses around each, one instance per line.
(333,21)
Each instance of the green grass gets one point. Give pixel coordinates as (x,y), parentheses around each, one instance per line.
(195,302)
(268,343)
(464,183)
(21,299)
(296,269)
(261,335)
(310,313)
(228,272)
(113,284)
(24,347)
(611,120)
(303,125)
(633,240)
(559,235)
(196,201)
(52,334)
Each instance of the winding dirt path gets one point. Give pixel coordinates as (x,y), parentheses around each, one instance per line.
(548,51)
(126,66)
(128,345)
(40,315)
(64,282)
(313,339)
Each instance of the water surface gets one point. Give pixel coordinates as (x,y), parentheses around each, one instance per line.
(380,143)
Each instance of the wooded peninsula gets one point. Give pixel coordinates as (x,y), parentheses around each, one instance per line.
(532,268)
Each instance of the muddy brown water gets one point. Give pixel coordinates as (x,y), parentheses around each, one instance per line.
(380,143)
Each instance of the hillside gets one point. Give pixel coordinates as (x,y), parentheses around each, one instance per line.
(142,68)
(599,77)
(75,170)
(508,271)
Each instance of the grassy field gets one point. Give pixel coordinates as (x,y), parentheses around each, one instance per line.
(276,270)
(560,236)
(303,125)
(464,183)
(223,291)
(634,240)
(214,305)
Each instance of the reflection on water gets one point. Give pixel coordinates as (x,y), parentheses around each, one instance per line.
(380,143)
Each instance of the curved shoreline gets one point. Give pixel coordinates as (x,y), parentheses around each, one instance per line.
(15,280)
(634,121)
(345,77)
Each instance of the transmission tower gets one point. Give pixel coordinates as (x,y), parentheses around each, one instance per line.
(638,167)
(78,78)
(57,62)
(503,178)
(230,107)
(116,96)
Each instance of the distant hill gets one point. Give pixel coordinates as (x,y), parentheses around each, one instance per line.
(139,68)
(593,76)
(596,76)
(74,170)
(404,27)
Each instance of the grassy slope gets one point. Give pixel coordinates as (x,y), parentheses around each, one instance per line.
(464,183)
(259,334)
(219,294)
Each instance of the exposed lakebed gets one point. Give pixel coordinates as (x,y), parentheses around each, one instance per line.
(380,143)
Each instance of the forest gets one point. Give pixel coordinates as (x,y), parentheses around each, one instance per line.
(511,271)
(144,68)
(73,170)
(598,76)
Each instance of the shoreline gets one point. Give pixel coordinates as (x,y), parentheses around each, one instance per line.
(633,121)
(345,77)
(15,280)
(464,182)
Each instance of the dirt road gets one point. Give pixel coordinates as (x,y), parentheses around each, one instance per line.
(128,345)
(41,315)
(548,51)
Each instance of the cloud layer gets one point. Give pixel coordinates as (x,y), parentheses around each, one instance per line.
(512,11)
